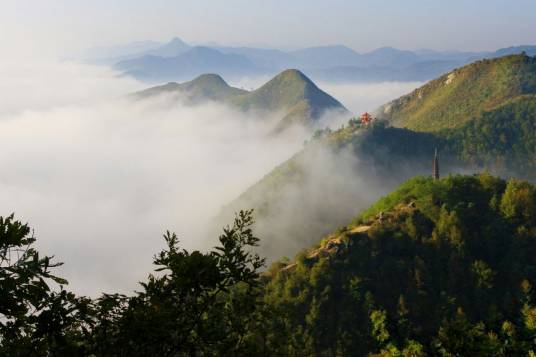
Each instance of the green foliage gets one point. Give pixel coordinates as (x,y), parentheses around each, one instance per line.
(33,317)
(379,331)
(502,139)
(195,304)
(445,272)
(519,202)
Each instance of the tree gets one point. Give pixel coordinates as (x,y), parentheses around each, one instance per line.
(195,303)
(34,319)
(519,201)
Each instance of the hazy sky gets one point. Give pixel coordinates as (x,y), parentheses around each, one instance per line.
(63,26)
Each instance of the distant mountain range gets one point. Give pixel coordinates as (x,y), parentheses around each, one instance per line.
(179,61)
(289,94)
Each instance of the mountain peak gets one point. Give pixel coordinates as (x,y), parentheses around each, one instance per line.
(208,80)
(170,49)
(292,74)
(289,85)
(294,91)
(290,92)
(176,41)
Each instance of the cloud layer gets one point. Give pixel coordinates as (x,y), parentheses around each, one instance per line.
(100,178)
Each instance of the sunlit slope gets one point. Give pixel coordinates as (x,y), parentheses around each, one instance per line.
(464,94)
(339,173)
(458,249)
(293,92)
(290,94)
(202,88)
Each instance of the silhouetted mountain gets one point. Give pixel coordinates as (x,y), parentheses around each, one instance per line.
(320,57)
(261,57)
(388,57)
(336,63)
(528,50)
(193,62)
(173,48)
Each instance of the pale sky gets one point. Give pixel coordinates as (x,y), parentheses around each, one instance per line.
(65,26)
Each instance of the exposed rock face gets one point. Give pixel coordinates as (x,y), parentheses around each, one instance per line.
(450,78)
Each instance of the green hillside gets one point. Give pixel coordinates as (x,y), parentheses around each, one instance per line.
(503,140)
(440,268)
(202,88)
(290,94)
(365,162)
(362,163)
(435,268)
(463,94)
(293,91)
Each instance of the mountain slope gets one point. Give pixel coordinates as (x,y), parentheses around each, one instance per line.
(335,176)
(463,94)
(294,93)
(502,139)
(435,268)
(338,173)
(291,94)
(202,88)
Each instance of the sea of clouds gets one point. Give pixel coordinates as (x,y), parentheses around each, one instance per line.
(100,177)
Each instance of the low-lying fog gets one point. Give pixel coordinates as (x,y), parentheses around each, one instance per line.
(100,178)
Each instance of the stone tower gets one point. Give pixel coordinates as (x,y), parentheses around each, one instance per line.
(435,169)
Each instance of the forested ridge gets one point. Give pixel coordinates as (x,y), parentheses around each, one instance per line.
(435,268)
(438,267)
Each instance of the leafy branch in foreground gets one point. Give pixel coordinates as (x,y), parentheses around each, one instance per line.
(196,303)
(33,317)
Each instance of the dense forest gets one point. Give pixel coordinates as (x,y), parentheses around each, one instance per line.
(438,267)
(435,268)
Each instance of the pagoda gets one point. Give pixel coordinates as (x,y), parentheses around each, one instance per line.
(366,119)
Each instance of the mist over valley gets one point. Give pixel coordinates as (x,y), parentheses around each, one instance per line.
(100,175)
(203,178)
